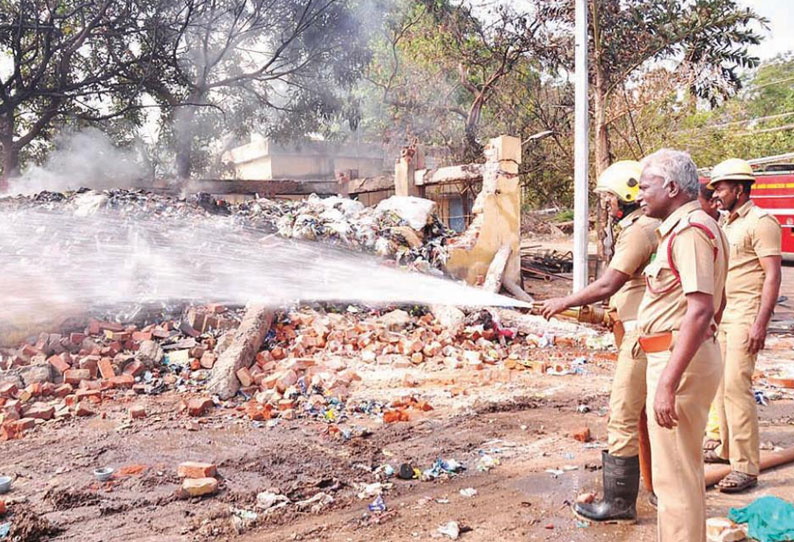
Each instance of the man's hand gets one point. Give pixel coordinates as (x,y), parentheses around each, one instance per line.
(664,405)
(553,306)
(757,337)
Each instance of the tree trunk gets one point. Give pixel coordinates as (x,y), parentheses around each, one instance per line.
(184,126)
(10,157)
(602,151)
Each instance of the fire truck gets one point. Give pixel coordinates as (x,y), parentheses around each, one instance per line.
(774,190)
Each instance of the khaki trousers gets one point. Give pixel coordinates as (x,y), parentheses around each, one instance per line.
(627,399)
(735,402)
(677,454)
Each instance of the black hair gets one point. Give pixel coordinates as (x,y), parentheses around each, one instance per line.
(746,186)
(705,191)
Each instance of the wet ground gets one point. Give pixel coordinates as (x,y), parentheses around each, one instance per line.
(524,420)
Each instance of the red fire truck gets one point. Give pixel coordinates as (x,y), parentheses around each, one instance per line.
(774,190)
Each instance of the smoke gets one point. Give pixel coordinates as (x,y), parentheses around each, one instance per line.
(84,159)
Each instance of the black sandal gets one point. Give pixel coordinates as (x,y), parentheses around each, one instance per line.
(736,482)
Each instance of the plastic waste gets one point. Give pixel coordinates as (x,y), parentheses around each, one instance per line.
(378,505)
(769,519)
(450,529)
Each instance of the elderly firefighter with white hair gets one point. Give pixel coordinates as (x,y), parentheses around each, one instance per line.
(678,318)
(623,283)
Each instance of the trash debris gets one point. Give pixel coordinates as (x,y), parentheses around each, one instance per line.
(267,500)
(768,519)
(486,463)
(378,505)
(723,530)
(760,397)
(468,492)
(450,529)
(441,467)
(316,503)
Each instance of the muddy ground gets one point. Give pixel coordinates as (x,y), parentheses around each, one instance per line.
(524,420)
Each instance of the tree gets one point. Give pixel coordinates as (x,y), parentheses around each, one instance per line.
(225,66)
(66,58)
(439,66)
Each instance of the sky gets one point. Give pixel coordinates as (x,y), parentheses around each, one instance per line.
(781,22)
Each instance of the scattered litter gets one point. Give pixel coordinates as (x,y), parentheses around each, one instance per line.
(378,505)
(468,492)
(486,463)
(315,503)
(406,472)
(267,500)
(450,529)
(555,472)
(760,398)
(582,524)
(768,519)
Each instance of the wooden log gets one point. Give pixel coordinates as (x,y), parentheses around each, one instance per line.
(493,279)
(241,352)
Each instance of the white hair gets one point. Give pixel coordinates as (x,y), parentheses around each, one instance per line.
(674,166)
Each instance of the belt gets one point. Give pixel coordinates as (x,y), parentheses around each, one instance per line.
(660,342)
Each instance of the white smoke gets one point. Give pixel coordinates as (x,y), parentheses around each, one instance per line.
(84,159)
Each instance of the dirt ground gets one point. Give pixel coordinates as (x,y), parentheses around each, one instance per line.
(524,420)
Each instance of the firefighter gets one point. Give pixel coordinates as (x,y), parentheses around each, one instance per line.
(752,288)
(623,282)
(678,318)
(708,201)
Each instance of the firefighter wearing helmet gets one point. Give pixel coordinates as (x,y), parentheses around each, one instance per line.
(751,289)
(623,283)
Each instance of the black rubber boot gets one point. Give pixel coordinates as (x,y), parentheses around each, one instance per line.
(621,486)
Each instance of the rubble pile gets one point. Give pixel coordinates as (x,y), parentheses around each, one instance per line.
(306,369)
(405,229)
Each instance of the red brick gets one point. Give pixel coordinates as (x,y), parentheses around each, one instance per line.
(208,360)
(195,364)
(196,487)
(93,327)
(76,338)
(59,364)
(137,411)
(111,326)
(90,363)
(105,366)
(90,385)
(63,390)
(28,351)
(34,389)
(47,388)
(194,469)
(286,404)
(8,389)
(134,368)
(159,333)
(582,435)
(244,376)
(40,412)
(123,381)
(74,376)
(84,409)
(2,508)
(199,406)
(25,423)
(140,336)
(87,394)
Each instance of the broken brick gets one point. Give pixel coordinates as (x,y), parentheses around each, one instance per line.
(122,381)
(8,389)
(197,487)
(582,435)
(244,376)
(140,336)
(208,360)
(2,508)
(195,469)
(105,366)
(137,412)
(59,364)
(199,406)
(134,368)
(40,412)
(74,376)
(25,423)
(84,409)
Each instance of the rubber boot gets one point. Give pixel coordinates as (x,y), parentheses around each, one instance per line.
(621,486)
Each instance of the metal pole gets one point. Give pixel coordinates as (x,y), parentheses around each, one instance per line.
(581,152)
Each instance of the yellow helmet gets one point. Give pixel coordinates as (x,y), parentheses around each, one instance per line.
(622,179)
(732,169)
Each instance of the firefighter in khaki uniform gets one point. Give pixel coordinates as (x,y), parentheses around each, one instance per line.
(623,280)
(752,288)
(678,318)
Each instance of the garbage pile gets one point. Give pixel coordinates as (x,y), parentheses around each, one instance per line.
(405,229)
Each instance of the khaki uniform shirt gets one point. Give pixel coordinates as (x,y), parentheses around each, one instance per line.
(635,244)
(752,233)
(693,252)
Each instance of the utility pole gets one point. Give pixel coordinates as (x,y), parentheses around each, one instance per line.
(581,152)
